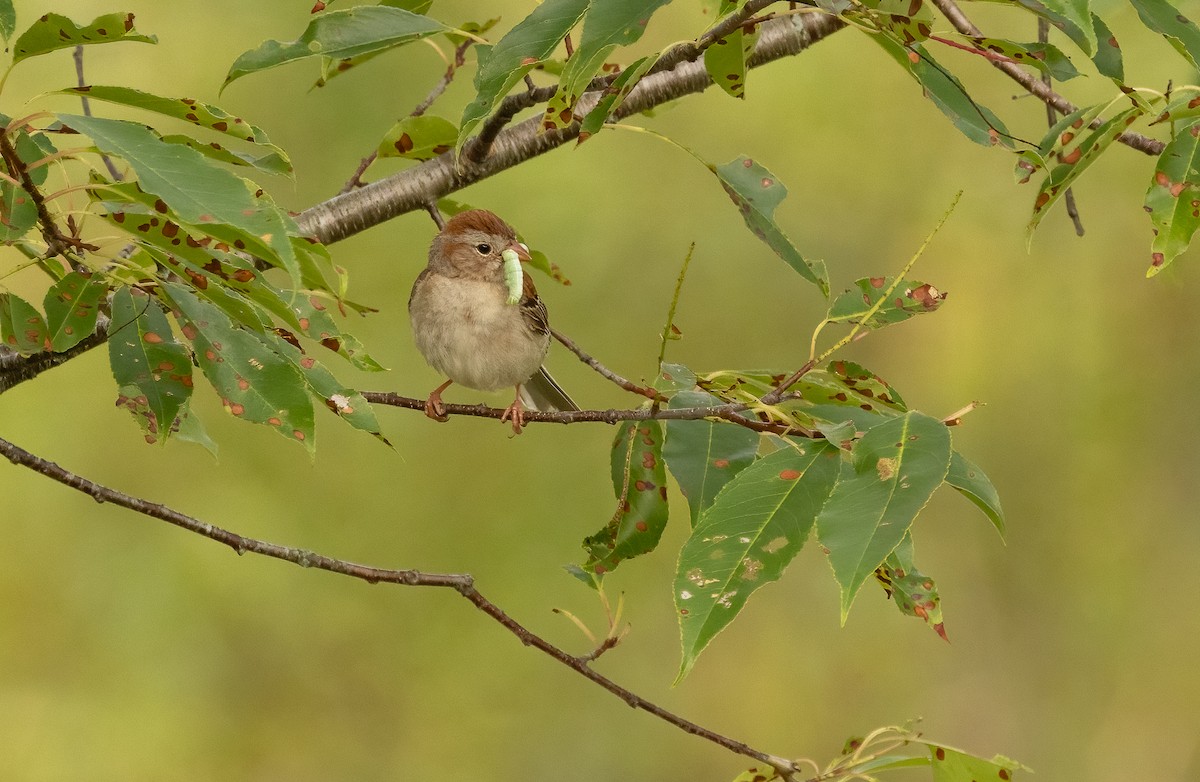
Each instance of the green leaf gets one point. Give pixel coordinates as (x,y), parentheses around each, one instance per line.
(202,115)
(18,212)
(1184,104)
(8,20)
(908,299)
(759,522)
(914,593)
(1044,57)
(228,207)
(757,192)
(704,455)
(254,382)
(1166,20)
(1173,199)
(192,431)
(674,377)
(607,25)
(54,31)
(1108,59)
(976,487)
(849,391)
(952,765)
(726,59)
(21,326)
(905,21)
(72,306)
(1061,133)
(1073,17)
(1077,159)
(419,138)
(973,119)
(31,148)
(614,95)
(339,34)
(893,471)
(152,370)
(270,163)
(528,43)
(640,483)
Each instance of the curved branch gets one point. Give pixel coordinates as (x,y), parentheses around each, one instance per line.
(15,368)
(350,213)
(461,583)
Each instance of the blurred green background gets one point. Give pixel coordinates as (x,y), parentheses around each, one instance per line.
(130,650)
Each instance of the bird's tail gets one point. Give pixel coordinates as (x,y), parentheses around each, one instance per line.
(540,392)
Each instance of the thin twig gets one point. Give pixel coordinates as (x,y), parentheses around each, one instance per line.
(1043,25)
(669,327)
(604,371)
(464,584)
(87,111)
(56,242)
(1032,85)
(436,214)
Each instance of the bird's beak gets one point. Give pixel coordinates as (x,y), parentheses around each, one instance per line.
(521,250)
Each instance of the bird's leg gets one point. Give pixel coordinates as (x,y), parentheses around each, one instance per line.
(515,412)
(433,405)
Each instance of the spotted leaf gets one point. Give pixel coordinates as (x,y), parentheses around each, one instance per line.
(903,301)
(1107,59)
(1073,17)
(973,484)
(893,470)
(640,482)
(347,33)
(1173,199)
(704,455)
(1166,20)
(18,212)
(1055,142)
(952,765)
(54,31)
(153,371)
(21,326)
(757,192)
(847,391)
(913,592)
(674,377)
(726,59)
(607,25)
(613,96)
(530,42)
(275,162)
(419,138)
(1184,104)
(1045,58)
(72,306)
(747,537)
(254,382)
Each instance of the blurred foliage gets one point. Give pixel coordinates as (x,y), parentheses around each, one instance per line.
(125,647)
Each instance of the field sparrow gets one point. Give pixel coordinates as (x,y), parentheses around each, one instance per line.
(465,329)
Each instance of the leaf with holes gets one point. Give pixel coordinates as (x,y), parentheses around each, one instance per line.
(640,482)
(529,42)
(726,59)
(54,31)
(894,469)
(952,765)
(1166,20)
(705,455)
(152,370)
(419,138)
(974,484)
(18,212)
(1077,159)
(352,32)
(973,119)
(607,25)
(1173,199)
(913,592)
(255,383)
(756,526)
(228,207)
(907,299)
(757,192)
(613,96)
(72,305)
(21,326)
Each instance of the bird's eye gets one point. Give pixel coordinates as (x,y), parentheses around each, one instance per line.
(483,248)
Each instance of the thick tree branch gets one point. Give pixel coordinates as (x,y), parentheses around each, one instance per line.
(351,213)
(15,368)
(461,583)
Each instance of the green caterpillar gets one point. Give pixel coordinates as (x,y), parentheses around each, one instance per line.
(512,275)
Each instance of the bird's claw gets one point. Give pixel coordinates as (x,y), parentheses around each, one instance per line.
(435,409)
(516,414)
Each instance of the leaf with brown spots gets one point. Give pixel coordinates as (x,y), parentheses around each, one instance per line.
(674,377)
(419,138)
(705,455)
(1166,20)
(848,391)
(914,593)
(254,382)
(907,21)
(197,113)
(903,301)
(1072,17)
(1173,199)
(954,765)
(1056,141)
(614,96)
(726,59)
(1045,58)
(607,25)
(72,305)
(640,483)
(54,31)
(758,523)
(275,162)
(1184,104)
(18,212)
(871,510)
(21,326)
(1108,59)
(153,371)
